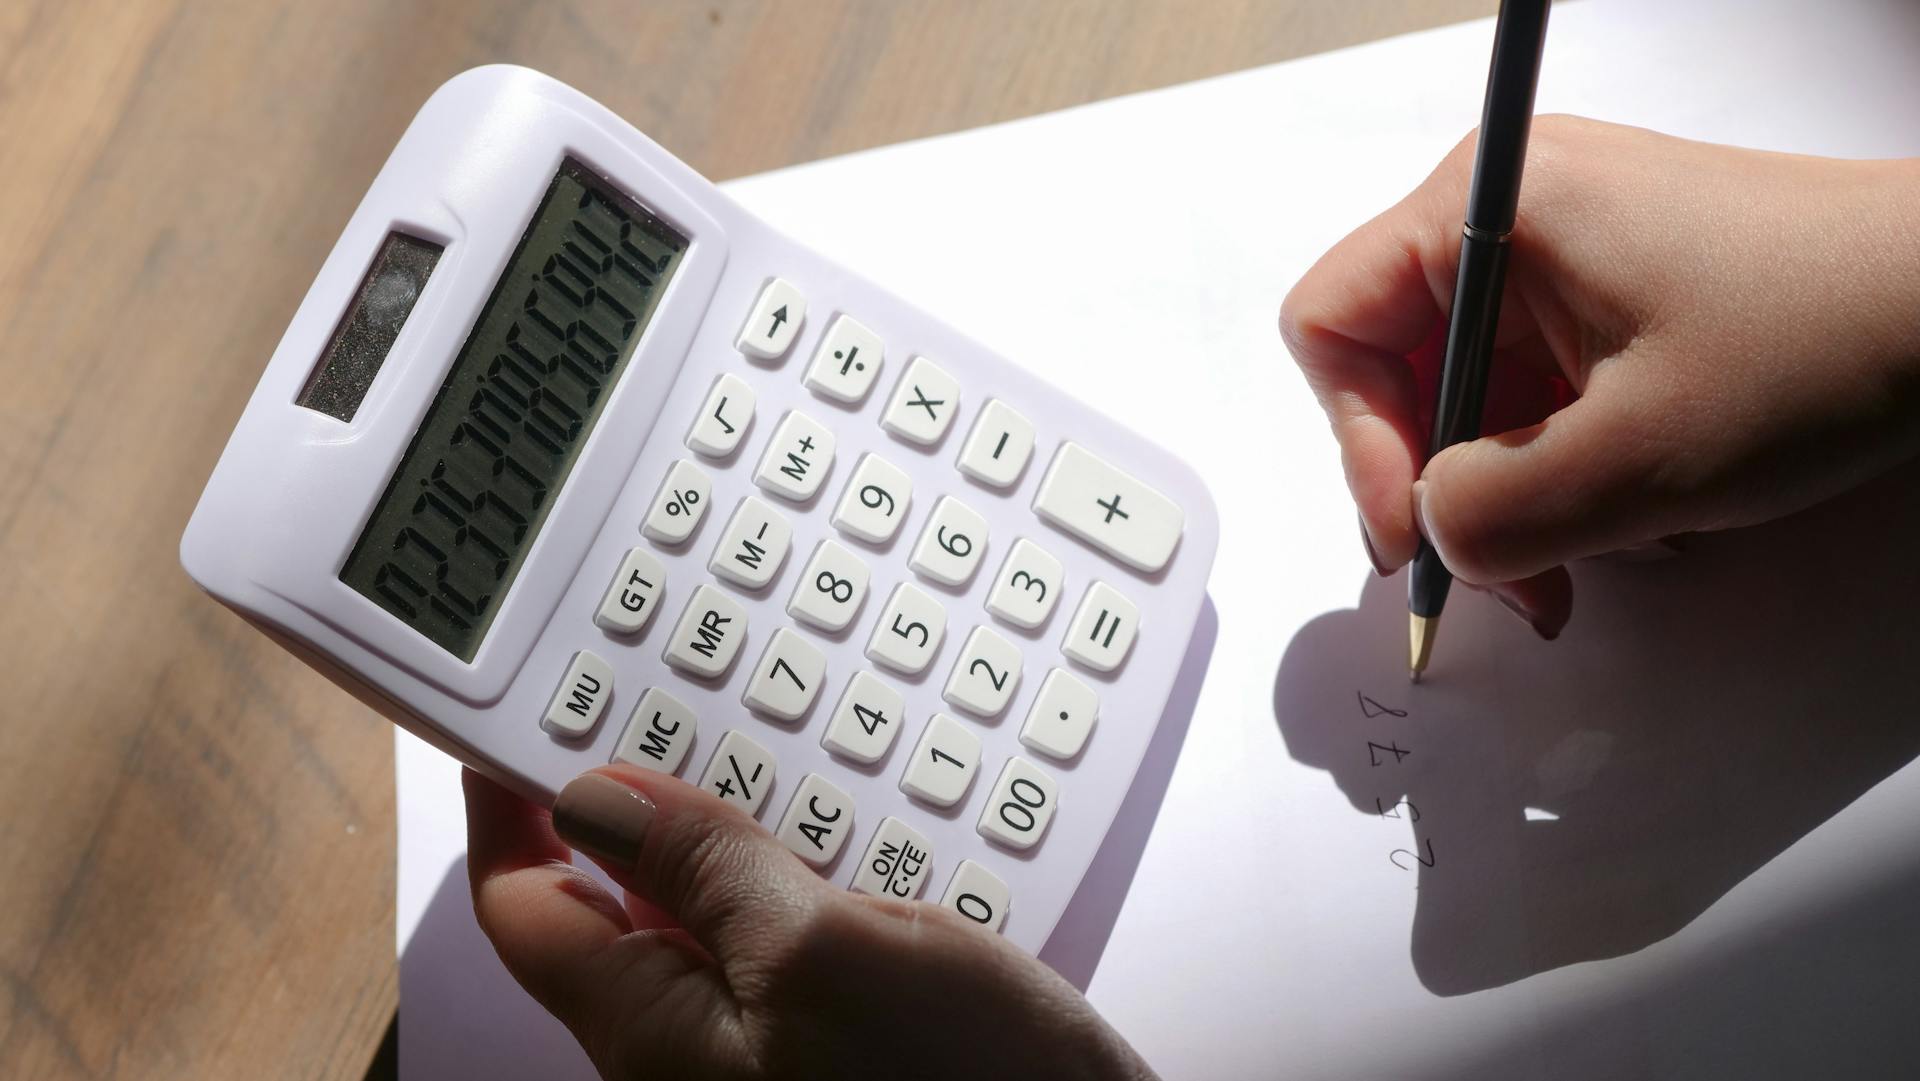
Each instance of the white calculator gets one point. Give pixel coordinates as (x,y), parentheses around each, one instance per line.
(567,459)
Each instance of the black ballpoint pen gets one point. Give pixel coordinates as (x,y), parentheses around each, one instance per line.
(1518,37)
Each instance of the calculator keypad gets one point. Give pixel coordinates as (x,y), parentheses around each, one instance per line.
(847,362)
(633,595)
(831,589)
(679,505)
(708,635)
(658,734)
(1116,514)
(817,821)
(923,404)
(753,547)
(950,544)
(875,502)
(773,322)
(997,449)
(787,678)
(985,674)
(1027,587)
(740,772)
(866,721)
(942,766)
(724,420)
(909,630)
(797,458)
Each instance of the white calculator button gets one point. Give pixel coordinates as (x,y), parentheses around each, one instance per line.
(658,734)
(942,767)
(848,360)
(978,894)
(724,419)
(998,447)
(788,676)
(896,862)
(679,504)
(797,458)
(1109,509)
(581,697)
(1017,813)
(817,821)
(740,771)
(909,631)
(753,547)
(1027,587)
(1061,716)
(866,721)
(1102,629)
(923,404)
(831,589)
(984,674)
(634,594)
(875,501)
(708,635)
(773,322)
(951,543)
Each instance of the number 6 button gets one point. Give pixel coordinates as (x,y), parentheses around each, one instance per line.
(1022,803)
(985,675)
(950,544)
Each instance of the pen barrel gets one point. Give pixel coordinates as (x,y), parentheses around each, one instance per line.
(1470,334)
(1427,583)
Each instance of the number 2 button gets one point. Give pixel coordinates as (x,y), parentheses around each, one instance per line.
(985,674)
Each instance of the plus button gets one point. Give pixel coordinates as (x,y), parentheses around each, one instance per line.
(1112,509)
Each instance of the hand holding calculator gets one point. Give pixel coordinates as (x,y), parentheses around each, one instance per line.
(567,459)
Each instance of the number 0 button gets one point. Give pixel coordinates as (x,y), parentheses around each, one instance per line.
(978,894)
(1022,804)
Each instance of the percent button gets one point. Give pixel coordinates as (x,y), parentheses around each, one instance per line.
(679,505)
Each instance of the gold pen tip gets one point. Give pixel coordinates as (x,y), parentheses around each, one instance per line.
(1421,631)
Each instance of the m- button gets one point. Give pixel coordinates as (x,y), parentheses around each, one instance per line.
(1109,509)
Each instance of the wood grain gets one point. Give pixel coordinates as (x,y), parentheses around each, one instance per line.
(198,855)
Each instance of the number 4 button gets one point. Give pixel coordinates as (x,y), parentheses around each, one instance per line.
(1103,629)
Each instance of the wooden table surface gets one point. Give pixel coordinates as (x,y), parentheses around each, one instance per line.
(196,870)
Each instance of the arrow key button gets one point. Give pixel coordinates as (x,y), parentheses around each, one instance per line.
(774,321)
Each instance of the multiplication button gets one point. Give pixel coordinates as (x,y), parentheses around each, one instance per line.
(923,404)
(773,321)
(1109,509)
(581,697)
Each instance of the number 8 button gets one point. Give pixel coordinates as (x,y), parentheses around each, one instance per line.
(1022,804)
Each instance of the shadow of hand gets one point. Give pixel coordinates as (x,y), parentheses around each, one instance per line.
(1583,799)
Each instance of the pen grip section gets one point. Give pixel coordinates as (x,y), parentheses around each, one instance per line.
(1470,334)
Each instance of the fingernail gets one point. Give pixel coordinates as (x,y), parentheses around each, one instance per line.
(1420,509)
(1540,627)
(603,818)
(1650,552)
(1373,556)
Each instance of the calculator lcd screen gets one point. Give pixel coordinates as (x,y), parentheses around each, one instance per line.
(445,541)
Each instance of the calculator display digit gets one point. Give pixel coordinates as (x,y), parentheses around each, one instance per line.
(443,544)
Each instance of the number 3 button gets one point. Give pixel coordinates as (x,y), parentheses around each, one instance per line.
(985,675)
(1028,586)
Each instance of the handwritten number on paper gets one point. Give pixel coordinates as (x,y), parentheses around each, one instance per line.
(1398,852)
(1375,750)
(1370,708)
(1412,815)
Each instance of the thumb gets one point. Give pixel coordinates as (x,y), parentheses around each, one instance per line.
(704,862)
(1593,477)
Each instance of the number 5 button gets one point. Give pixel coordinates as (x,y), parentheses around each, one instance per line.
(909,632)
(985,674)
(1028,586)
(1022,804)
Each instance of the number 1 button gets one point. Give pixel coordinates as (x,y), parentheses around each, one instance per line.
(944,763)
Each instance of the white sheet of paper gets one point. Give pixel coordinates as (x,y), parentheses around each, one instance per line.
(1676,843)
